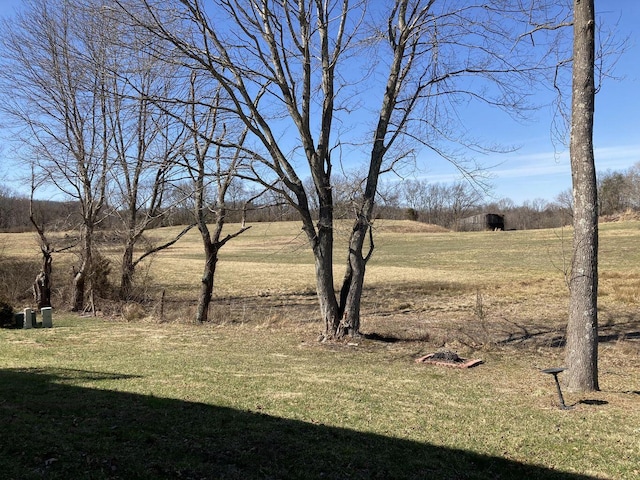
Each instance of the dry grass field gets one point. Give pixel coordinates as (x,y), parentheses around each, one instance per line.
(255,395)
(478,288)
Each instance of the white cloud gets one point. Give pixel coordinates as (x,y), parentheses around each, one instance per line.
(557,163)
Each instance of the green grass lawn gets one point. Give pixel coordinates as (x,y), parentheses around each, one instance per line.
(100,399)
(257,396)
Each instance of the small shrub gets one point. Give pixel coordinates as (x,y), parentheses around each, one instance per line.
(7,319)
(132,312)
(16,279)
(411,214)
(102,287)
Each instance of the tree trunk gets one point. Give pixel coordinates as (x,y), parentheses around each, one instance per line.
(206,286)
(582,328)
(128,268)
(353,282)
(42,284)
(81,276)
(127,271)
(78,285)
(323,255)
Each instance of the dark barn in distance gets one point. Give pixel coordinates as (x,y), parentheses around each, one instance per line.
(481,222)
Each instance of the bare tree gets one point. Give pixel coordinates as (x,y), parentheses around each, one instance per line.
(614,192)
(147,139)
(564,200)
(42,282)
(42,285)
(633,180)
(294,72)
(442,204)
(53,64)
(212,171)
(12,209)
(582,328)
(414,195)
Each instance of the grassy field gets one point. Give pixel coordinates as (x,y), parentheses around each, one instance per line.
(255,395)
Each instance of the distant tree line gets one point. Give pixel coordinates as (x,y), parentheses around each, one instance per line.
(619,191)
(435,203)
(14,212)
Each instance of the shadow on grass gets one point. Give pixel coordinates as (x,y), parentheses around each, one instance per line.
(559,341)
(376,337)
(52,428)
(593,402)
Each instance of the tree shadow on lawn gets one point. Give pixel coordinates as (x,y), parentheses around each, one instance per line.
(542,335)
(53,429)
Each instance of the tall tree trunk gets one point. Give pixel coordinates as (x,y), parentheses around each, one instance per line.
(81,275)
(78,285)
(321,240)
(353,282)
(582,328)
(323,256)
(208,276)
(42,283)
(128,268)
(127,271)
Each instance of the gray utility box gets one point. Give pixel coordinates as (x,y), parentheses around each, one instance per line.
(29,318)
(47,321)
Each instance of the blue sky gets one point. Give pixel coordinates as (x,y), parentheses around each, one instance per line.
(539,169)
